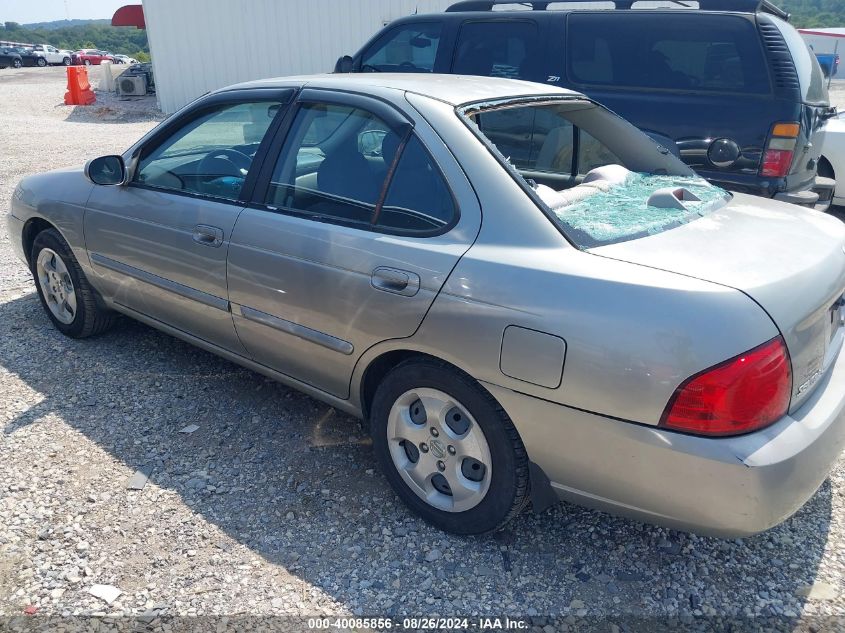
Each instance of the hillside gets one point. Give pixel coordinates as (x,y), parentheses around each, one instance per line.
(58,24)
(815,13)
(80,34)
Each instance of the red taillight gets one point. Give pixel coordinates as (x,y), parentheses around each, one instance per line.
(742,394)
(777,159)
(776,163)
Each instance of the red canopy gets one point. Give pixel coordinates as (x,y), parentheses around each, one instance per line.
(822,33)
(130,15)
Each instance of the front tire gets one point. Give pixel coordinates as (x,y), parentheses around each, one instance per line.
(66,296)
(66,61)
(17,63)
(448,449)
(87,62)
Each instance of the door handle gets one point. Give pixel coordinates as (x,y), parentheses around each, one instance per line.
(208,235)
(400,282)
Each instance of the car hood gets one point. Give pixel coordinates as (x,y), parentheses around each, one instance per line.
(788,259)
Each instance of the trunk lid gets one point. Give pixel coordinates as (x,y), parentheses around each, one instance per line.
(789,260)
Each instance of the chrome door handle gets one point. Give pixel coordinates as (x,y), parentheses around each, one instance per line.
(400,282)
(208,235)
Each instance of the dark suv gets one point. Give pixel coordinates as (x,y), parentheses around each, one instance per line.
(729,86)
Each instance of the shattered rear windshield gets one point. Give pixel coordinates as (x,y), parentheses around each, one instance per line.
(621,211)
(594,175)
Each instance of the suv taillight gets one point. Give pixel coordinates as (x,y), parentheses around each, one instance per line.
(743,394)
(777,159)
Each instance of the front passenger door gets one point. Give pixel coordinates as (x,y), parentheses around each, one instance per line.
(159,244)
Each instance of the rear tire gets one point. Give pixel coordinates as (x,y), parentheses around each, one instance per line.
(17,63)
(66,296)
(41,62)
(87,62)
(467,495)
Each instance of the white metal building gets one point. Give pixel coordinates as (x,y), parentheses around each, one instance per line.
(201,45)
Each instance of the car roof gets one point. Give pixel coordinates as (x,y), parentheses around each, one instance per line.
(453,89)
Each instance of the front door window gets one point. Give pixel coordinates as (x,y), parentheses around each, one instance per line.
(210,155)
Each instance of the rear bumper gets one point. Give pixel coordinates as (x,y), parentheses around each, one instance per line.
(721,487)
(820,197)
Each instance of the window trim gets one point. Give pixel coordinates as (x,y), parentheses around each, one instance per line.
(374,105)
(199,108)
(613,87)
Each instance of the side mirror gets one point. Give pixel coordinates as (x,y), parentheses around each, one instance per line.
(343,65)
(106,170)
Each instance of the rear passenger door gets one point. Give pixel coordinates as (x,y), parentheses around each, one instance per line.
(362,217)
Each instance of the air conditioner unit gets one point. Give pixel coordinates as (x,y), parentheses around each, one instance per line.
(134,86)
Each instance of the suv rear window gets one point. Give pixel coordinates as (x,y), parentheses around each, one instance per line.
(714,53)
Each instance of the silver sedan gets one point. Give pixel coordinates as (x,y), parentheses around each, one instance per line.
(526,297)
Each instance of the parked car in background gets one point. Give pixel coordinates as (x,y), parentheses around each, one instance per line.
(9,57)
(734,91)
(832,163)
(29,57)
(90,57)
(617,330)
(124,59)
(52,55)
(829,63)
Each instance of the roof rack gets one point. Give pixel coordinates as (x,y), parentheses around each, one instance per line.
(744,6)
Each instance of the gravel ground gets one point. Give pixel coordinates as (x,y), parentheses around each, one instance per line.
(271,507)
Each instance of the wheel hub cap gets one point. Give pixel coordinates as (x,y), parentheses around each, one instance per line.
(56,285)
(439,450)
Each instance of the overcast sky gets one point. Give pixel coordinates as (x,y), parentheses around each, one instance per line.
(26,11)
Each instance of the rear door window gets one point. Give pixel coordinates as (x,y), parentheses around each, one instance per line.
(341,164)
(406,48)
(418,199)
(711,53)
(497,49)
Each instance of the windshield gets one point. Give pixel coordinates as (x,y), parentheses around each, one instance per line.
(597,177)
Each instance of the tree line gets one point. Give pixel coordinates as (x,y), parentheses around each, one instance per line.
(814,13)
(90,34)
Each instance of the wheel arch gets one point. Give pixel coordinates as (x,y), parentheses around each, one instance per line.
(377,368)
(825,168)
(31,229)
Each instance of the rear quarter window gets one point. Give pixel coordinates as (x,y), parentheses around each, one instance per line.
(504,48)
(695,52)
